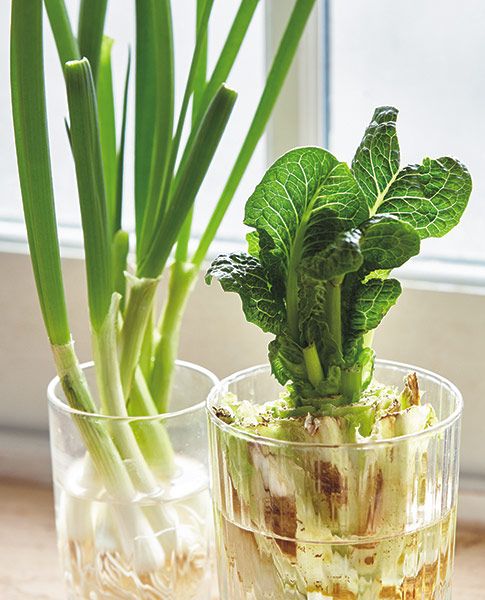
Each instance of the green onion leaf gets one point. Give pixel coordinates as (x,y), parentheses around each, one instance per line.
(32,144)
(121,151)
(145,103)
(107,129)
(229,51)
(163,124)
(92,14)
(198,92)
(187,183)
(66,42)
(86,149)
(197,64)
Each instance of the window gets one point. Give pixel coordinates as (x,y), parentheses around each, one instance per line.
(424,58)
(247,79)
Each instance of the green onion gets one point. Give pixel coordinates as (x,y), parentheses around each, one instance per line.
(134,355)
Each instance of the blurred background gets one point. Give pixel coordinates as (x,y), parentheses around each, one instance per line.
(355,56)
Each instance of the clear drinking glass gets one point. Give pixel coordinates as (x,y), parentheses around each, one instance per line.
(361,521)
(157,543)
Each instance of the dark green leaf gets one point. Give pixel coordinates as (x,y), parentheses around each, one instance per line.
(371,302)
(337,259)
(243,274)
(312,315)
(302,200)
(387,243)
(431,197)
(376,162)
(286,359)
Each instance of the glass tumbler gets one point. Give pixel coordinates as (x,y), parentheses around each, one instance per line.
(358,521)
(139,527)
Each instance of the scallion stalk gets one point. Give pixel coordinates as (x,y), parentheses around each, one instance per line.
(134,356)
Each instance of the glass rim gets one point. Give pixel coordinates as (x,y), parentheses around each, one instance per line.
(56,402)
(437,427)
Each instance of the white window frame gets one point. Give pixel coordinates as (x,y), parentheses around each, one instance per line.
(458,290)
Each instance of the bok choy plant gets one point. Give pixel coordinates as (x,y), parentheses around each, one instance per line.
(134,352)
(324,239)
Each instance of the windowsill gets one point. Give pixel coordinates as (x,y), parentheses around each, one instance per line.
(29,567)
(424,272)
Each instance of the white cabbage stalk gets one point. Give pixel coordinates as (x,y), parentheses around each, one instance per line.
(344,536)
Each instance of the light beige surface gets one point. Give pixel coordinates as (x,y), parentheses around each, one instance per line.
(28,560)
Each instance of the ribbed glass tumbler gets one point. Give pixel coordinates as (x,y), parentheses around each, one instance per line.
(361,521)
(133,512)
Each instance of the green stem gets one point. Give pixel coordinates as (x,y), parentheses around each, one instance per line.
(182,280)
(112,399)
(183,240)
(120,247)
(137,313)
(296,253)
(334,311)
(313,365)
(351,382)
(152,436)
(147,346)
(101,448)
